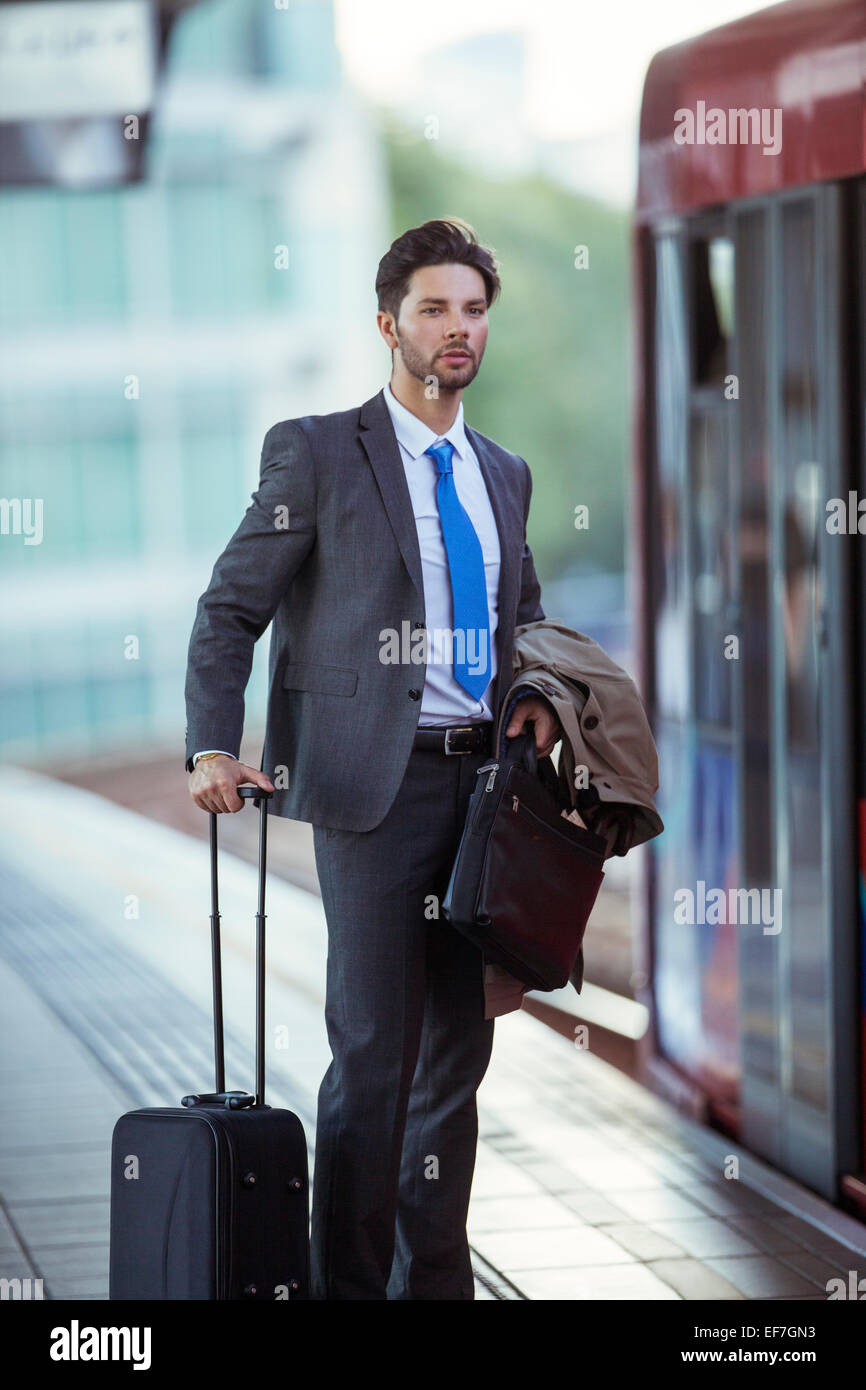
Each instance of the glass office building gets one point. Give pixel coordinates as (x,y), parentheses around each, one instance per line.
(150,334)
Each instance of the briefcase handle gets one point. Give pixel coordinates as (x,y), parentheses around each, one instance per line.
(521,750)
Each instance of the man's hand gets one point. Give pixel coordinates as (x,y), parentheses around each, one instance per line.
(535,709)
(212,783)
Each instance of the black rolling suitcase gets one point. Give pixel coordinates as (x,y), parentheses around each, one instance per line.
(211,1200)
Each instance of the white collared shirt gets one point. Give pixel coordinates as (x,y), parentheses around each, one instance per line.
(443,700)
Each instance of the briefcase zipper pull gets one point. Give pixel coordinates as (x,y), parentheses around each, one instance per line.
(514,803)
(490,780)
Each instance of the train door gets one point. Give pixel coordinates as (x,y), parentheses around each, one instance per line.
(694,953)
(797,813)
(755,1000)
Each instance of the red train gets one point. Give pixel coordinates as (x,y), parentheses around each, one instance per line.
(748,544)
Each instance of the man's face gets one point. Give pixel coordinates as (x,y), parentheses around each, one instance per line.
(441,330)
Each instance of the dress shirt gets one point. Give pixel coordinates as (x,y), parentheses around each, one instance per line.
(444,701)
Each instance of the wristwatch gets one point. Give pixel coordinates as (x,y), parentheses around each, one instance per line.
(204,757)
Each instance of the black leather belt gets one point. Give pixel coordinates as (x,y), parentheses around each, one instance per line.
(458,738)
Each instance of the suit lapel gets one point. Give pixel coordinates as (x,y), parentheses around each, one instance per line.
(380,442)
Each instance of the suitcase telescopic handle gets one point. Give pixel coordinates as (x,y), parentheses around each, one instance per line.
(234,1099)
(253,793)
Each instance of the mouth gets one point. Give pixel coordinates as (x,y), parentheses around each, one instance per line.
(456,357)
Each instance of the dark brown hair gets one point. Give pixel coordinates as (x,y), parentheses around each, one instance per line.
(445,241)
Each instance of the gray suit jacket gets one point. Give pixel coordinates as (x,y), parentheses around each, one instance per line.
(328,549)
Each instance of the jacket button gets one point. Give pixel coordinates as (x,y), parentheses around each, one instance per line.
(591,722)
(416,624)
(414,694)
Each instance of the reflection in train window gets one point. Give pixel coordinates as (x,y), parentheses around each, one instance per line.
(713,306)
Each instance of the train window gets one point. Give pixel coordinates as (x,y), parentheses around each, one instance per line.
(711,551)
(712,306)
(801,468)
(671,627)
(710,487)
(754,557)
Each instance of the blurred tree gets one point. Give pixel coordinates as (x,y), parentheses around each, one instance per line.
(553,386)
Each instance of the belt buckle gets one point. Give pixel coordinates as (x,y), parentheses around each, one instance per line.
(456,729)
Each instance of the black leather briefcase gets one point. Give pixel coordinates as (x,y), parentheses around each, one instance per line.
(525,879)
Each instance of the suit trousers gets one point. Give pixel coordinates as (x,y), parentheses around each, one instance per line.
(397,1124)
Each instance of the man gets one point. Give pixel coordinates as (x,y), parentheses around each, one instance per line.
(387,543)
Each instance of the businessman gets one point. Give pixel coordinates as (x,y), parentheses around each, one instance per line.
(387,543)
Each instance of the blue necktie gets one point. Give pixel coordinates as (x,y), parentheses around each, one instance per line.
(471,617)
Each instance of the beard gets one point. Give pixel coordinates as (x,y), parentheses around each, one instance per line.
(448,378)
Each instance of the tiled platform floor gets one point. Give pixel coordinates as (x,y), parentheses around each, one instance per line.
(586,1187)
(589,1187)
(582,1190)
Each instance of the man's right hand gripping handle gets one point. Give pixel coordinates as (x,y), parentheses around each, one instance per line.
(213,782)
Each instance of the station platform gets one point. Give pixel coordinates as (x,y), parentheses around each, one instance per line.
(587,1187)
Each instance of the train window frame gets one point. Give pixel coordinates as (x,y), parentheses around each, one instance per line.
(706,399)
